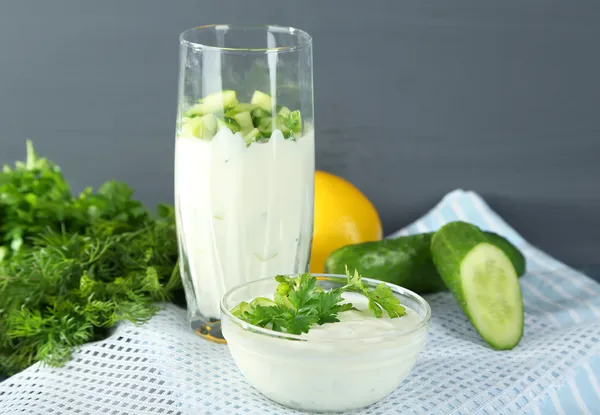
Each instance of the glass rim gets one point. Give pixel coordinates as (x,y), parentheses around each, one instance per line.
(395,333)
(307,39)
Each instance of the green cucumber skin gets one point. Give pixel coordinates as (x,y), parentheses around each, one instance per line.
(449,246)
(511,251)
(406,261)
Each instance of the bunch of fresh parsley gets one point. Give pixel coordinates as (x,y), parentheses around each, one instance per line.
(72,266)
(299,303)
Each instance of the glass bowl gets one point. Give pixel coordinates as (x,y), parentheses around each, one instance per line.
(323,374)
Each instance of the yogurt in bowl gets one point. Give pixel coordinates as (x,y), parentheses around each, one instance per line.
(334,367)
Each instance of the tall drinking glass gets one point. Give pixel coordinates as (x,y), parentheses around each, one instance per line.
(244,161)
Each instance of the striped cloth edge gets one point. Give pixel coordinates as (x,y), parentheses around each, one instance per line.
(555,284)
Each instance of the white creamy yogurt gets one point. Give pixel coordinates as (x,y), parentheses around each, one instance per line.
(341,366)
(243,212)
(362,323)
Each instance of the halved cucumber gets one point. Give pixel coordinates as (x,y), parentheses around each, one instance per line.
(483,281)
(262,100)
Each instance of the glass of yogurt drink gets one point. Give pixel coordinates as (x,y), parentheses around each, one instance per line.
(334,367)
(244,161)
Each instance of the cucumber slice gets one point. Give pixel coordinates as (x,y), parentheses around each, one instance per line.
(244,119)
(218,101)
(262,100)
(252,136)
(483,281)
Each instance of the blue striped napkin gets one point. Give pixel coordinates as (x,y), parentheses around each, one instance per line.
(556,367)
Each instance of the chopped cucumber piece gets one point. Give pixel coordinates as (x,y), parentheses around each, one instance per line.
(294,121)
(210,124)
(252,136)
(230,123)
(196,110)
(200,127)
(262,100)
(222,109)
(242,107)
(266,127)
(281,124)
(258,115)
(244,119)
(218,101)
(192,127)
(483,281)
(284,111)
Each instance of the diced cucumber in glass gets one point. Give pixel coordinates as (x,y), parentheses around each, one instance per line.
(259,114)
(210,124)
(281,124)
(200,127)
(244,119)
(230,123)
(218,101)
(262,100)
(252,136)
(266,127)
(196,110)
(294,121)
(284,111)
(241,107)
(254,120)
(191,127)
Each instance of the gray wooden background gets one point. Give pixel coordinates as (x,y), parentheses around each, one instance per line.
(413,99)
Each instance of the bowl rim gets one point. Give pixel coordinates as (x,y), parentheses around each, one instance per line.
(394,333)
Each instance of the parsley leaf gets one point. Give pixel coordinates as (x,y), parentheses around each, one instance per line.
(300,303)
(380,298)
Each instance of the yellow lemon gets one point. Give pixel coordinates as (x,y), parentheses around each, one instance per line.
(343,216)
